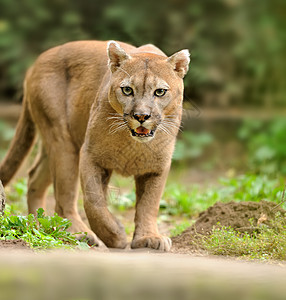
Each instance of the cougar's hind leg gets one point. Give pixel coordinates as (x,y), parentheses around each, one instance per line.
(39,181)
(64,160)
(48,101)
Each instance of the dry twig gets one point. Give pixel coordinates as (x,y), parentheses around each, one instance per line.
(282,199)
(2,199)
(264,217)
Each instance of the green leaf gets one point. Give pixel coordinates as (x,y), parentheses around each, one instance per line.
(40,213)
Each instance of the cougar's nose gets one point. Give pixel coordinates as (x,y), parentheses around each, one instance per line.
(141,117)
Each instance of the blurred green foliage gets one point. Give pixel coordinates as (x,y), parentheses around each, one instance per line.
(18,190)
(6,134)
(237,46)
(191,146)
(266,146)
(179,228)
(120,201)
(191,200)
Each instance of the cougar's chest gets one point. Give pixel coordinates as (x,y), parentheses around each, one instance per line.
(127,157)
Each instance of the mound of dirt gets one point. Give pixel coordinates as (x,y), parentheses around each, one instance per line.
(14,245)
(231,214)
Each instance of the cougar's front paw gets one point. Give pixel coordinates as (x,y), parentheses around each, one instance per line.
(109,230)
(91,239)
(158,242)
(83,233)
(113,235)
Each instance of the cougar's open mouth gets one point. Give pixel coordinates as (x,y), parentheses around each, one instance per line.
(142,132)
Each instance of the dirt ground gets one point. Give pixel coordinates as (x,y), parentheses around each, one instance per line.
(14,245)
(232,214)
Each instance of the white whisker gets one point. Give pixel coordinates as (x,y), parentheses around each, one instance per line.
(172,124)
(164,129)
(116,118)
(117,126)
(118,123)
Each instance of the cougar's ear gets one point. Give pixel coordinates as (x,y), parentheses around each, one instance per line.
(116,55)
(180,62)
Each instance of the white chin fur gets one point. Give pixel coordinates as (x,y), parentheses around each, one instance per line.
(142,139)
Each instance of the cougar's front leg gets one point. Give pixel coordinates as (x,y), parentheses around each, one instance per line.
(149,189)
(94,181)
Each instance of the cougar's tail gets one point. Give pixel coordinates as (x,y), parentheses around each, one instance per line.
(20,145)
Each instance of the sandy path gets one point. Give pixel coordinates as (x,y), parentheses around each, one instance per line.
(135,275)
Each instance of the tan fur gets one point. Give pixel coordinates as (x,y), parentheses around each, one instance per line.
(74,96)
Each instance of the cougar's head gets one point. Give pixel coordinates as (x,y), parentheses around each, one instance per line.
(146,91)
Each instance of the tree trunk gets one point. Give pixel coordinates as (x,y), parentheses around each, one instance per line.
(2,199)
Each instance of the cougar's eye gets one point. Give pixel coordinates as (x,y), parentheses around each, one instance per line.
(160,92)
(127,90)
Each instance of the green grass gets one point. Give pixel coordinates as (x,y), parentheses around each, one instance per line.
(179,228)
(189,201)
(40,232)
(267,243)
